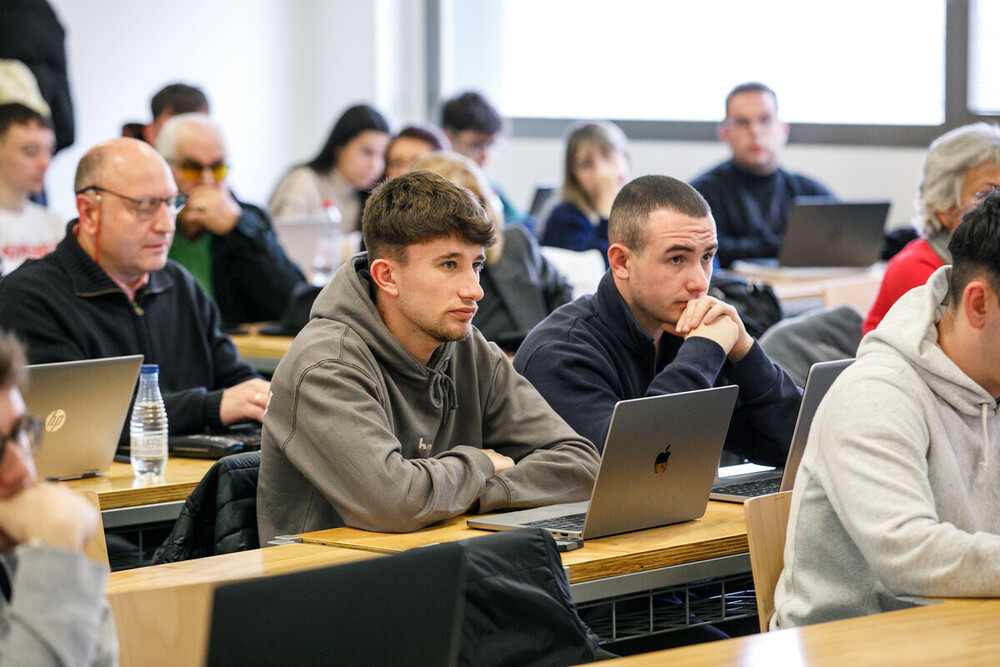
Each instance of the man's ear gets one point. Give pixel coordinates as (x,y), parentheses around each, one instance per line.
(88,209)
(383,274)
(977,300)
(722,132)
(618,260)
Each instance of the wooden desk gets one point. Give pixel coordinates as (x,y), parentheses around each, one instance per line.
(953,632)
(715,545)
(800,289)
(163,612)
(126,500)
(260,351)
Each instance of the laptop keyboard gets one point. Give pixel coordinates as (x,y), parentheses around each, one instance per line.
(570,522)
(751,489)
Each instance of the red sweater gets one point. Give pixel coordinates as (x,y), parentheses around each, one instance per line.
(911,267)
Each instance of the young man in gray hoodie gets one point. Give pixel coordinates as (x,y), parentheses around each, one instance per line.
(898,494)
(390,412)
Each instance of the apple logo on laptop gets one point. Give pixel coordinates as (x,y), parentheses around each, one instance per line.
(55,421)
(661,460)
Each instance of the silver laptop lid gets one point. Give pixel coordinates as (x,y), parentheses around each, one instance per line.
(824,232)
(659,461)
(818,382)
(660,457)
(84,405)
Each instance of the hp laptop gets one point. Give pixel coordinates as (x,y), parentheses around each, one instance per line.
(737,488)
(404,609)
(823,232)
(660,457)
(84,405)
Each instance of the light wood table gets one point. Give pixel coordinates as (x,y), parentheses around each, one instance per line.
(801,289)
(261,351)
(952,632)
(163,612)
(715,545)
(126,500)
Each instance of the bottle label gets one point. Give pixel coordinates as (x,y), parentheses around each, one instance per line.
(150,446)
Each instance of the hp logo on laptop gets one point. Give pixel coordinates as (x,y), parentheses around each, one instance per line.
(55,421)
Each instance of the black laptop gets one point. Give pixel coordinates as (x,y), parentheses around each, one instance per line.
(404,609)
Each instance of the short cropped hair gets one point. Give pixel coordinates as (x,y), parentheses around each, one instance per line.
(169,136)
(357,119)
(975,248)
(88,171)
(15,113)
(606,136)
(750,87)
(178,98)
(948,158)
(643,196)
(12,362)
(418,207)
(425,132)
(470,111)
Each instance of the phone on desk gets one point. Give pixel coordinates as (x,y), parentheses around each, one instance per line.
(234,440)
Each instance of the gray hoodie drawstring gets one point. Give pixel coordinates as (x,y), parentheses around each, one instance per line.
(443,391)
(984,463)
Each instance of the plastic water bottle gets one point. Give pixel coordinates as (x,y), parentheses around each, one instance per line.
(148,426)
(329,248)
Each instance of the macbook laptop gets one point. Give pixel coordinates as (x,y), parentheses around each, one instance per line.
(738,487)
(660,457)
(824,232)
(84,405)
(404,609)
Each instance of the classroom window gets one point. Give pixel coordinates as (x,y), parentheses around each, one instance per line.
(890,72)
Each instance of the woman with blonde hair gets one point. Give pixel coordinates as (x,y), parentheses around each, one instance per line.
(596,168)
(520,287)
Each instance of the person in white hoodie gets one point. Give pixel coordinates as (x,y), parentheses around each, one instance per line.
(898,494)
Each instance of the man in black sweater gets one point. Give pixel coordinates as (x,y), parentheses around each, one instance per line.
(749,194)
(108,290)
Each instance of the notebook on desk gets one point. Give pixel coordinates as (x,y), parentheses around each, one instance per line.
(84,405)
(824,232)
(660,457)
(404,609)
(739,487)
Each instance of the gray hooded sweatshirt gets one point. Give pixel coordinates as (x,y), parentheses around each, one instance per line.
(898,494)
(359,433)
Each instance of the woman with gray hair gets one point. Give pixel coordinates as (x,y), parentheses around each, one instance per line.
(961,167)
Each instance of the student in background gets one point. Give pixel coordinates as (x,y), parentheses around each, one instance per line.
(390,412)
(961,167)
(474,127)
(412,142)
(596,168)
(227,245)
(52,607)
(898,493)
(27,143)
(169,101)
(520,287)
(349,164)
(750,194)
(650,329)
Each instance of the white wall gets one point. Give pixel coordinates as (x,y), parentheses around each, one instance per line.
(278,72)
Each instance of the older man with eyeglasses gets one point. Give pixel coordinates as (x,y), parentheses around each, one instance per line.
(52,607)
(109,290)
(228,245)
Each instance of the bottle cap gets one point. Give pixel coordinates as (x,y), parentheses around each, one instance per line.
(149,368)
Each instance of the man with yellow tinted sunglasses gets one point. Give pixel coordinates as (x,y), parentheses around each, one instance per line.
(226,244)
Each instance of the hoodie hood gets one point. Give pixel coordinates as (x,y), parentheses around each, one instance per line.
(349,298)
(920,346)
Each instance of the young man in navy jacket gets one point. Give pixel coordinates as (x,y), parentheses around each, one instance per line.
(650,329)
